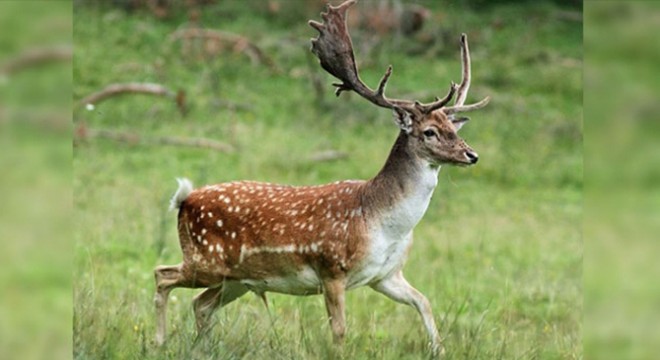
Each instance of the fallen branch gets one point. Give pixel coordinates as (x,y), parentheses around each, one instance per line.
(117,89)
(328,155)
(36,56)
(84,133)
(238,43)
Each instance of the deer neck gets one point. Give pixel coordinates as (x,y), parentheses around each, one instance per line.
(400,194)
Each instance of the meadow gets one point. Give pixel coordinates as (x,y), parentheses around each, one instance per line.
(498,254)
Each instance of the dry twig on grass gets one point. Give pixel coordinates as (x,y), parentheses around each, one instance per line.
(135,88)
(117,89)
(84,133)
(36,56)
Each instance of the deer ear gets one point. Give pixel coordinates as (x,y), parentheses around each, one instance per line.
(459,122)
(403,119)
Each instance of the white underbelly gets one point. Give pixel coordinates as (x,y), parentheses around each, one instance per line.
(304,282)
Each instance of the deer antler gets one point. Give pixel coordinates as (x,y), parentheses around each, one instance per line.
(465,83)
(334,49)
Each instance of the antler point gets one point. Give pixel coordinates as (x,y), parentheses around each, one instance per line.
(316,25)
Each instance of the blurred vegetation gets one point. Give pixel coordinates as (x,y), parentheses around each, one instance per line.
(35,155)
(622,291)
(499,252)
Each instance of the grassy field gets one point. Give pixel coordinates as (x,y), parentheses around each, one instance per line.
(498,254)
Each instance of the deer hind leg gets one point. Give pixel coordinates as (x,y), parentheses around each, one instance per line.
(333,291)
(167,278)
(398,289)
(209,300)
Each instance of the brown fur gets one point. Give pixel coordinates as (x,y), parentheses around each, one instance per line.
(229,223)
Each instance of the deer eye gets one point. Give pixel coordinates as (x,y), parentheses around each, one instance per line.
(429,133)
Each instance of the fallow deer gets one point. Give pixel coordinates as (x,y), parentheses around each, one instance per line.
(249,236)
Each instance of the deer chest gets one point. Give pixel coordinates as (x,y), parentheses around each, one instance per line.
(384,255)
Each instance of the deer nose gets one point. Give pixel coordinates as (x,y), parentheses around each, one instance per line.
(472,156)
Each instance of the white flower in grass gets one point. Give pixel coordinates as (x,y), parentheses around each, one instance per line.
(89,107)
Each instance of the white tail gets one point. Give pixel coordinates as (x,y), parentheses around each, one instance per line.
(185,188)
(248,236)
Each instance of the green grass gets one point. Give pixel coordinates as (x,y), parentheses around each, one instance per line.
(35,153)
(498,254)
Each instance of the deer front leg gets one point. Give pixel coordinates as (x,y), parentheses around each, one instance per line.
(398,289)
(333,291)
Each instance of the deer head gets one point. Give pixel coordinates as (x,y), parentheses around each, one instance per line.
(431,128)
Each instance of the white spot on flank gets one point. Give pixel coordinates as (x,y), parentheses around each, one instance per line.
(226,200)
(202,208)
(210,248)
(199,238)
(233,235)
(310,227)
(219,222)
(203,231)
(210,214)
(205,242)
